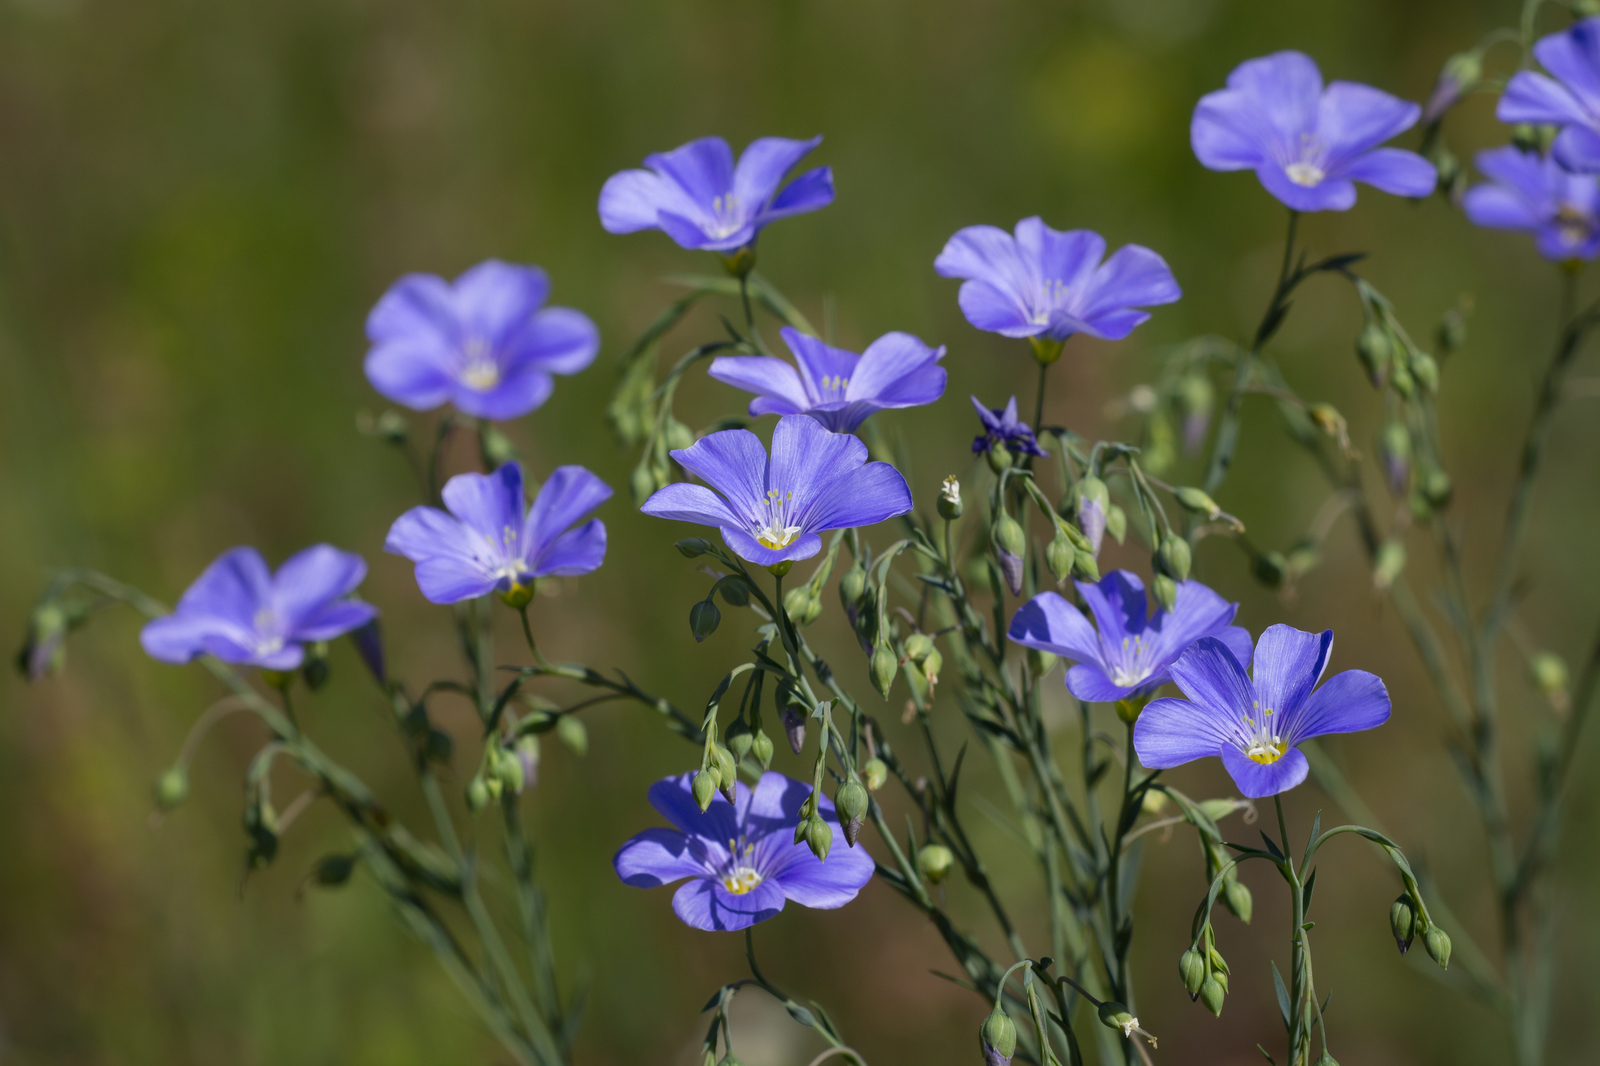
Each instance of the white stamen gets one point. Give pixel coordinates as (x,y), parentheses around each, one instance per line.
(1304,173)
(776,532)
(727,216)
(479,370)
(738,877)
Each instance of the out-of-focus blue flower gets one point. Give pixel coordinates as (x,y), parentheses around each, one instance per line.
(1004,427)
(486,343)
(1131,653)
(1255,725)
(492,541)
(1537,195)
(1307,144)
(698,197)
(1570,100)
(1050,284)
(740,858)
(838,388)
(240,612)
(770,513)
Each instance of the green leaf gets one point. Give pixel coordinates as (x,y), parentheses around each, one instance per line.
(1283,994)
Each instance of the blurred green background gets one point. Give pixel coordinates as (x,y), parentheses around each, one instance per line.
(200,201)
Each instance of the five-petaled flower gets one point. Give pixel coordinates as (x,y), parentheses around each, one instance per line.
(1002,426)
(698,197)
(486,343)
(1048,284)
(1131,654)
(1537,195)
(1307,144)
(240,612)
(1570,100)
(838,388)
(771,513)
(1255,725)
(491,541)
(741,858)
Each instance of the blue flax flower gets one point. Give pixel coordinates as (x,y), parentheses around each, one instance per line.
(1307,144)
(770,513)
(740,858)
(1049,284)
(240,612)
(1131,654)
(1570,100)
(1255,725)
(698,197)
(1004,427)
(1537,195)
(491,541)
(838,388)
(486,343)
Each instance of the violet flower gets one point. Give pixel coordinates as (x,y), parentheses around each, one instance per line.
(486,343)
(771,513)
(1570,100)
(1049,284)
(838,388)
(1255,725)
(741,858)
(240,612)
(1537,195)
(492,541)
(1004,427)
(1307,144)
(698,197)
(1127,653)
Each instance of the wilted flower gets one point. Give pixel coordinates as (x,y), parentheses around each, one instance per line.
(741,858)
(698,197)
(1570,100)
(1050,284)
(240,612)
(1255,725)
(1307,144)
(836,387)
(1003,427)
(1537,195)
(491,541)
(486,343)
(770,513)
(1131,654)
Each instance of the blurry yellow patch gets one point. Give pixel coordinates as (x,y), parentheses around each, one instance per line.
(1097,98)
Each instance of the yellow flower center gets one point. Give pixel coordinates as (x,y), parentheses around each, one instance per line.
(741,880)
(1266,746)
(777,533)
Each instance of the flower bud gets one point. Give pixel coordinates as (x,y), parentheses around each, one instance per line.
(1059,556)
(1436,487)
(477,794)
(999,1037)
(918,645)
(508,770)
(934,861)
(1041,663)
(851,803)
(1084,567)
(641,483)
(526,753)
(1452,332)
(1195,500)
(704,787)
(704,619)
(730,1059)
(999,456)
(1114,1015)
(333,870)
(1457,77)
(1548,672)
(172,788)
(678,435)
(884,666)
(1400,377)
(1390,561)
(1437,941)
(1375,349)
(1237,896)
(795,601)
(1091,501)
(813,611)
(1402,922)
(875,772)
(852,585)
(794,728)
(1116,523)
(727,772)
(819,838)
(735,593)
(1192,968)
(949,504)
(1326,1059)
(1173,557)
(573,733)
(1211,994)
(1425,368)
(932,663)
(1270,568)
(1009,544)
(690,547)
(762,748)
(740,261)
(739,738)
(1165,591)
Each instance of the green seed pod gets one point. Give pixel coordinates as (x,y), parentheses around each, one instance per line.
(999,1037)
(1059,555)
(1402,922)
(918,645)
(678,435)
(1425,368)
(875,772)
(1437,941)
(704,619)
(1375,349)
(1436,487)
(935,861)
(574,734)
(1165,591)
(172,788)
(999,457)
(1085,567)
(1192,968)
(819,838)
(641,483)
(932,663)
(851,803)
(761,748)
(1116,523)
(704,787)
(1114,1015)
(477,794)
(1173,557)
(1195,500)
(1211,995)
(884,666)
(1237,896)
